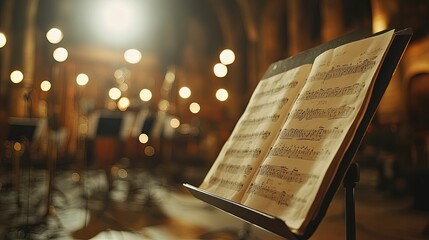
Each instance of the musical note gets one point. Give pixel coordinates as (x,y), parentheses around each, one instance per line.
(310,134)
(327,113)
(283,173)
(224,183)
(343,70)
(332,92)
(298,152)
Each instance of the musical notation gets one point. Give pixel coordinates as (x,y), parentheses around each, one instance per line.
(273,118)
(327,113)
(343,70)
(279,197)
(298,152)
(333,92)
(283,173)
(276,89)
(310,134)
(235,169)
(277,103)
(225,183)
(245,136)
(243,153)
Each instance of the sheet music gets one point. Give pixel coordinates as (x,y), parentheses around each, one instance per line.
(321,123)
(254,133)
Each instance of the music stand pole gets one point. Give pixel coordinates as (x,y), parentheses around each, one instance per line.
(350,180)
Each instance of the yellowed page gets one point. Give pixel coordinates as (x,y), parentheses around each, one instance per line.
(290,178)
(254,132)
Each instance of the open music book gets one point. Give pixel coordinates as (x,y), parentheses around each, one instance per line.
(285,149)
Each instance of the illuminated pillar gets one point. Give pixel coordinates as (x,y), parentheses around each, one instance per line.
(332,19)
(299,25)
(21,95)
(6,19)
(392,108)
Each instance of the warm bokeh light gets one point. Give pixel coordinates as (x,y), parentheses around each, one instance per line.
(170,76)
(143,138)
(82,79)
(184,92)
(16,76)
(149,151)
(174,123)
(45,86)
(220,70)
(60,54)
(194,107)
(75,177)
(17,146)
(145,95)
(54,35)
(227,57)
(221,94)
(122,173)
(123,103)
(3,40)
(163,105)
(120,75)
(115,93)
(123,87)
(132,56)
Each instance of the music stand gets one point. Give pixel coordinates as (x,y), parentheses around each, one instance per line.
(28,129)
(144,123)
(23,131)
(347,173)
(110,127)
(110,124)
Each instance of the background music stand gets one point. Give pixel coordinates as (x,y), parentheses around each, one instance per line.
(347,172)
(144,123)
(25,129)
(112,124)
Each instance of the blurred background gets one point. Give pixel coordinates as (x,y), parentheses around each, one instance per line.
(138,90)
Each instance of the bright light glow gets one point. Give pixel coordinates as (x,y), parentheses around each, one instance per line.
(194,107)
(115,93)
(145,95)
(60,54)
(143,138)
(45,86)
(132,56)
(119,21)
(227,57)
(3,40)
(174,123)
(54,35)
(222,94)
(184,92)
(220,70)
(16,76)
(117,15)
(82,79)
(123,103)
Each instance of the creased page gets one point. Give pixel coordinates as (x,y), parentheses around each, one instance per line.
(287,182)
(254,133)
